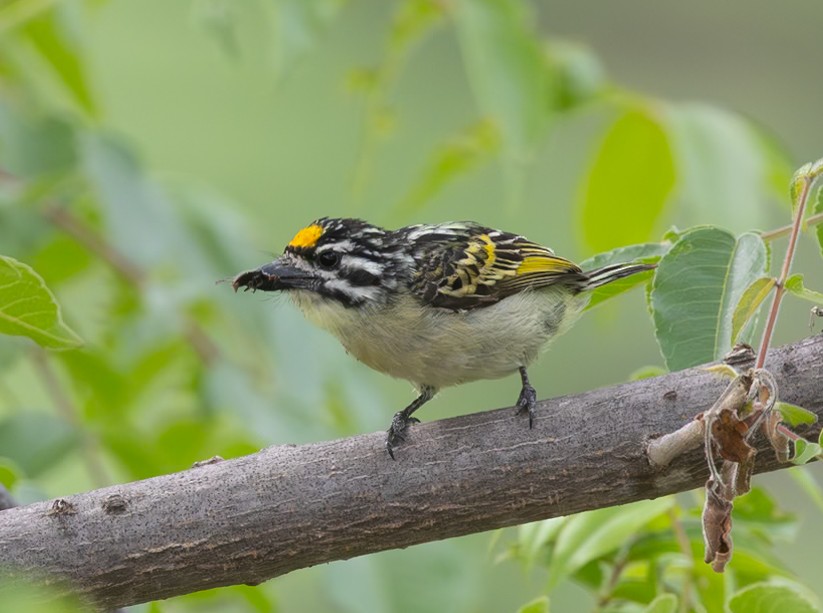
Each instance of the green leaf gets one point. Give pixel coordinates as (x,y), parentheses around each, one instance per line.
(298,26)
(36,441)
(32,596)
(219,19)
(696,289)
(55,42)
(587,536)
(749,304)
(96,377)
(28,308)
(647,372)
(794,415)
(538,605)
(635,589)
(773,596)
(805,452)
(532,537)
(794,285)
(799,179)
(808,484)
(757,512)
(805,176)
(459,155)
(778,163)
(508,74)
(726,170)
(139,216)
(31,145)
(10,472)
(506,68)
(216,227)
(644,252)
(63,257)
(722,370)
(413,19)
(631,178)
(578,71)
(665,603)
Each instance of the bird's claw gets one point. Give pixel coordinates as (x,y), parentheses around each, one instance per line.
(526,402)
(396,431)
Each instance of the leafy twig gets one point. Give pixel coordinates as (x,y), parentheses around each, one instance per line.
(744,407)
(801,186)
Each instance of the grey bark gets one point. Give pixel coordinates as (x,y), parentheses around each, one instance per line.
(288,507)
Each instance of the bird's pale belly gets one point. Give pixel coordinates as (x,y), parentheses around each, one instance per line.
(439,347)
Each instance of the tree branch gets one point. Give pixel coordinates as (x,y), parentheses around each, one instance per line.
(289,507)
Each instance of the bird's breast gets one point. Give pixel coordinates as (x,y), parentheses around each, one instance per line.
(439,347)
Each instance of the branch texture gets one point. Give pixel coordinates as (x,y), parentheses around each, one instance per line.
(289,507)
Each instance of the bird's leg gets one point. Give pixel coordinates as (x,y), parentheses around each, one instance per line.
(528,397)
(403,418)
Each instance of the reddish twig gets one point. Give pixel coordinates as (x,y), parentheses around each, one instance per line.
(780,289)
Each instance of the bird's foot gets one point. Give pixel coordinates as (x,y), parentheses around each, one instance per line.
(526,402)
(397,429)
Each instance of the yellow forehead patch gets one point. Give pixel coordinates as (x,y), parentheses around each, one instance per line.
(307,237)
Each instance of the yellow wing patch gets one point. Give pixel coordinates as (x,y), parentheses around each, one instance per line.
(545,263)
(307,237)
(489,266)
(479,267)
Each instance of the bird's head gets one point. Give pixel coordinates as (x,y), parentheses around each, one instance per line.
(344,260)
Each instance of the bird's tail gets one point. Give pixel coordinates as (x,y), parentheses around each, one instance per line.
(613,272)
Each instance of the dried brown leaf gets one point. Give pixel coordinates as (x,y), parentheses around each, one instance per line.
(729,437)
(717,526)
(778,440)
(743,476)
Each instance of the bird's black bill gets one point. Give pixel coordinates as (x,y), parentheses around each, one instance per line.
(273,277)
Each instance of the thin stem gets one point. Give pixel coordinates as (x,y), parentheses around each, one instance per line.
(686,549)
(69,411)
(61,217)
(83,234)
(769,235)
(788,433)
(620,562)
(784,272)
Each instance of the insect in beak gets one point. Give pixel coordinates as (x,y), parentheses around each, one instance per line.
(272,277)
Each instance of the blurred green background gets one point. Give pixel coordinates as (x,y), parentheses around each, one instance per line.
(203,134)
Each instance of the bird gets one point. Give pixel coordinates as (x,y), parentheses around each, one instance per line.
(435,304)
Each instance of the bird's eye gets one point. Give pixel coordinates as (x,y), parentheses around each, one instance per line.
(328,259)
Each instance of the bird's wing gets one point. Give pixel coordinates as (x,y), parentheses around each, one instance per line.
(463,266)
